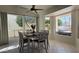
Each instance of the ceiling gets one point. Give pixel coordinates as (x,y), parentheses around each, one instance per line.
(62,11)
(44,7)
(37,6)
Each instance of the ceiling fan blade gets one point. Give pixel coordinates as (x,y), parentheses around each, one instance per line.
(33,8)
(38,9)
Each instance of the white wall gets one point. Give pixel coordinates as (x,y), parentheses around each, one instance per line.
(76,27)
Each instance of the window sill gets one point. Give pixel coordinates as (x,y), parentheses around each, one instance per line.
(64,33)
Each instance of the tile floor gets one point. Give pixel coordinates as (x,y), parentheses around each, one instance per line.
(55,47)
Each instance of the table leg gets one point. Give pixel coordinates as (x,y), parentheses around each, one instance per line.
(33,45)
(28,45)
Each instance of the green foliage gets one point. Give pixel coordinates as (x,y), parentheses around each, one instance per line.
(19,21)
(59,22)
(47,21)
(47,24)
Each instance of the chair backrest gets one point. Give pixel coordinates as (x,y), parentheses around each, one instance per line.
(20,37)
(46,34)
(43,35)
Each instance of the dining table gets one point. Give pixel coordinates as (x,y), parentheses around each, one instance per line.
(31,38)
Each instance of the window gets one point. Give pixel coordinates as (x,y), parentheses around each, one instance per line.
(29,20)
(47,23)
(63,24)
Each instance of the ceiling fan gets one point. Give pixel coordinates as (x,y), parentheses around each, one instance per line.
(34,9)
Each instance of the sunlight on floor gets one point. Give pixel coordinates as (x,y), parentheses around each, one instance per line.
(8,48)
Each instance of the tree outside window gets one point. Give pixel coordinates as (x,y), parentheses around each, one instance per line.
(47,23)
(19,21)
(63,24)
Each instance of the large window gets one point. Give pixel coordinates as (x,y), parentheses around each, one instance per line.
(28,21)
(63,24)
(47,23)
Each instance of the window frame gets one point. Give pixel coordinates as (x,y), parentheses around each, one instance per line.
(62,32)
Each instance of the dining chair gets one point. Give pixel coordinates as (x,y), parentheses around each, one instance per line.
(22,41)
(46,32)
(42,40)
